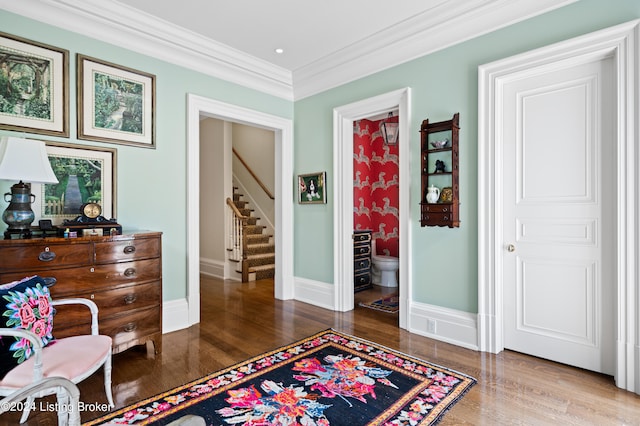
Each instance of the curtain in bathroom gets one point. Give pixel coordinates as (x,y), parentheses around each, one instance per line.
(375,185)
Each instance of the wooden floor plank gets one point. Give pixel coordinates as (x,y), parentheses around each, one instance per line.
(239,321)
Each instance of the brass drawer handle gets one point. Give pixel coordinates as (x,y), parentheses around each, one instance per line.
(129,299)
(47,255)
(129,272)
(129,249)
(130,327)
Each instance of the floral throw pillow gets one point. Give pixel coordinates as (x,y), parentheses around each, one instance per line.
(27,305)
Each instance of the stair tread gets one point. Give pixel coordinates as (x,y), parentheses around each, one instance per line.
(259,245)
(262,267)
(260,255)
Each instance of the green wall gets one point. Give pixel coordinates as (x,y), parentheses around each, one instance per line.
(151,183)
(444,260)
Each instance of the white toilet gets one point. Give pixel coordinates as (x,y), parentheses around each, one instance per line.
(384,268)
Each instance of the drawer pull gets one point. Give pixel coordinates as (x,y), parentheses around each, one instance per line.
(129,249)
(130,327)
(47,255)
(49,281)
(129,272)
(129,299)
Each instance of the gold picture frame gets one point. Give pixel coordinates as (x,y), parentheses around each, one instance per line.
(312,188)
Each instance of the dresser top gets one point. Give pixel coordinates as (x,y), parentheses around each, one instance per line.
(127,234)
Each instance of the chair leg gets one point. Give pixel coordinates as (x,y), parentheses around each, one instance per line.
(63,405)
(68,397)
(27,409)
(107,381)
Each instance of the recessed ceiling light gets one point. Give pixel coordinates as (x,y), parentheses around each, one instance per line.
(279,50)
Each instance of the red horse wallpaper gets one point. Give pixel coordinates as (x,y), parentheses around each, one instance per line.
(375,185)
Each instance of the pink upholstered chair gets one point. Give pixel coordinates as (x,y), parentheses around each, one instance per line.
(74,358)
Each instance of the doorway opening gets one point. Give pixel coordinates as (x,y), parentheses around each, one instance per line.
(376,217)
(198,107)
(344,119)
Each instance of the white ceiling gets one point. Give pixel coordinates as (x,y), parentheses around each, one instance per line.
(326,43)
(306,30)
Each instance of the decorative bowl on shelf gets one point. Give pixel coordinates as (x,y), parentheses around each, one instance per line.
(440,144)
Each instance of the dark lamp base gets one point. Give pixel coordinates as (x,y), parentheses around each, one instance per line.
(13,234)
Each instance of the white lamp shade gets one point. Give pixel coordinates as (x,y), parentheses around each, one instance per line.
(25,160)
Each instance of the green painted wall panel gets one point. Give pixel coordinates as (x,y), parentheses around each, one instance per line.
(442,83)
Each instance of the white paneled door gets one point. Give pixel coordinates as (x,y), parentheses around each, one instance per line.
(559,213)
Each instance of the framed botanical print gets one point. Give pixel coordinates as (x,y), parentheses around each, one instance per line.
(115,104)
(85,174)
(311,188)
(34,87)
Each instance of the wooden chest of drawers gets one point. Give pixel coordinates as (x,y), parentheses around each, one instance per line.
(122,274)
(361,260)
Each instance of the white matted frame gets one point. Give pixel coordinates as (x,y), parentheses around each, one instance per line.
(35,95)
(115,104)
(621,43)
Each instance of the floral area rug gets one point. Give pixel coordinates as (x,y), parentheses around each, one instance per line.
(389,304)
(329,378)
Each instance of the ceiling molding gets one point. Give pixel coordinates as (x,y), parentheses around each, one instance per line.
(448,23)
(445,25)
(123,26)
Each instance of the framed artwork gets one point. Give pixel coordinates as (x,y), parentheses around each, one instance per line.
(115,104)
(34,87)
(85,174)
(311,188)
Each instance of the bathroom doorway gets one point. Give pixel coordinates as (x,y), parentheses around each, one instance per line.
(376,217)
(343,176)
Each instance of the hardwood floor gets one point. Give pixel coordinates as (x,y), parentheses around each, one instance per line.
(239,321)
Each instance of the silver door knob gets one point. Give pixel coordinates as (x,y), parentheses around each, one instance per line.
(511,248)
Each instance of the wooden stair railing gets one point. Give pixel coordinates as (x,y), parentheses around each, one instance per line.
(257,179)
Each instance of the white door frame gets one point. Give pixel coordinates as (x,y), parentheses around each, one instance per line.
(283,129)
(621,43)
(343,119)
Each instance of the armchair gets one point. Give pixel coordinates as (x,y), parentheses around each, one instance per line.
(74,358)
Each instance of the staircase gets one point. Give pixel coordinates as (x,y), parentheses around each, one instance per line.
(257,256)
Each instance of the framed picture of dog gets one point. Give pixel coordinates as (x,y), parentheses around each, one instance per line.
(311,188)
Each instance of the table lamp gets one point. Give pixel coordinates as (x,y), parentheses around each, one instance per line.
(22,160)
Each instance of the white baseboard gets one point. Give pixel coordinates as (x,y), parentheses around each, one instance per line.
(314,292)
(448,325)
(212,268)
(175,315)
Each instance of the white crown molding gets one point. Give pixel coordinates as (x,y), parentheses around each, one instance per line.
(124,26)
(447,23)
(442,26)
